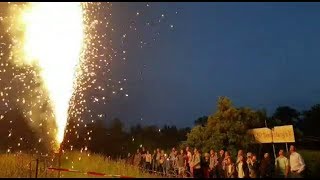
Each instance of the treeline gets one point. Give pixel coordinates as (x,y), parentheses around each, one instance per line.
(115,141)
(224,129)
(111,140)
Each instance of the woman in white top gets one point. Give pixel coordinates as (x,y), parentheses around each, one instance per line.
(242,168)
(229,168)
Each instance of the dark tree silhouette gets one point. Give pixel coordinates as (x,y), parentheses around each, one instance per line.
(285,115)
(16,135)
(311,121)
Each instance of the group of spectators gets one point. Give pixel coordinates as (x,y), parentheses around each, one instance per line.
(193,163)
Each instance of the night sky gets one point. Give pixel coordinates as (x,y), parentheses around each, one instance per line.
(261,55)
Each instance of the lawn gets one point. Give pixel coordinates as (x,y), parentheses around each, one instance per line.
(14,165)
(312,160)
(18,165)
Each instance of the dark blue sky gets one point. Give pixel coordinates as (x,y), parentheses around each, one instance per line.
(261,55)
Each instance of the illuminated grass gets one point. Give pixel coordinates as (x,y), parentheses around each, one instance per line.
(19,166)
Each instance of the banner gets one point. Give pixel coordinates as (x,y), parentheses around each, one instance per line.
(261,135)
(283,134)
(279,134)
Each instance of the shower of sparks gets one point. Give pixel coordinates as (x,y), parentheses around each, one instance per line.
(55,67)
(53,37)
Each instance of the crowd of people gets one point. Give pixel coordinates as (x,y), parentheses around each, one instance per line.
(193,163)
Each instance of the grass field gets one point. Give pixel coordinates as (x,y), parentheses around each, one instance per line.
(12,165)
(19,166)
(312,160)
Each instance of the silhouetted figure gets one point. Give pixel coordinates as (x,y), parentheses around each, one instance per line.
(266,166)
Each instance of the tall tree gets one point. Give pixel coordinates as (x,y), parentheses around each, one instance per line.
(285,115)
(226,128)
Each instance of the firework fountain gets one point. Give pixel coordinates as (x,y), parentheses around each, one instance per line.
(57,45)
(53,38)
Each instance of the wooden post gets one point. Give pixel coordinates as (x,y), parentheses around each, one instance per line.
(59,160)
(274,151)
(37,167)
(30,170)
(45,168)
(59,164)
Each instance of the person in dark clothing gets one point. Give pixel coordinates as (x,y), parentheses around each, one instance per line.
(266,167)
(253,166)
(143,158)
(220,169)
(205,162)
(154,161)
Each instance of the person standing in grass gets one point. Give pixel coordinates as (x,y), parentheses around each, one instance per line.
(229,168)
(266,167)
(161,161)
(297,165)
(167,164)
(143,158)
(158,157)
(137,158)
(172,157)
(154,160)
(205,165)
(242,168)
(148,161)
(188,158)
(253,166)
(196,164)
(281,165)
(175,165)
(220,170)
(213,164)
(181,163)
